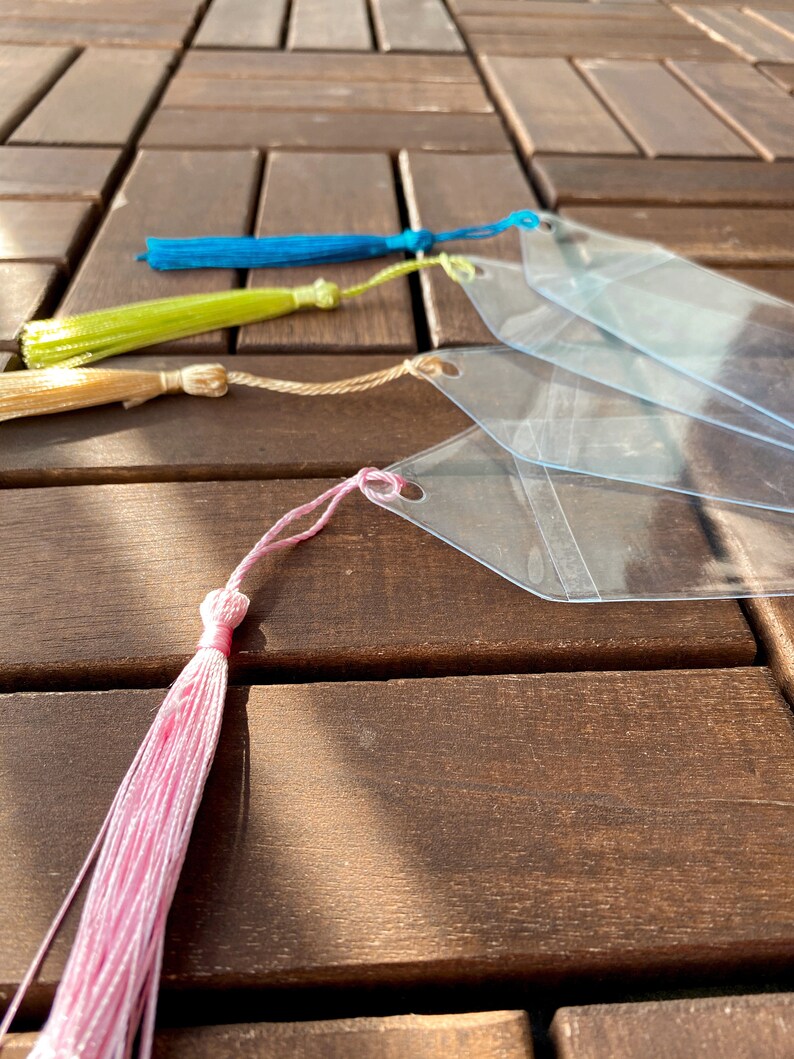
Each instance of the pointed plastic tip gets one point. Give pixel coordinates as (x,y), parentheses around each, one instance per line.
(142,257)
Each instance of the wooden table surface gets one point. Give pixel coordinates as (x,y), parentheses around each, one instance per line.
(446,818)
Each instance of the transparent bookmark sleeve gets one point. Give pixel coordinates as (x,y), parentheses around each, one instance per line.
(548,415)
(575,538)
(706,325)
(522,318)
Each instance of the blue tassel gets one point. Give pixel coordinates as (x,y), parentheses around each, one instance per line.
(278,251)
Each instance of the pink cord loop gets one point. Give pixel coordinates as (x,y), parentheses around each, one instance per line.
(369,476)
(221,612)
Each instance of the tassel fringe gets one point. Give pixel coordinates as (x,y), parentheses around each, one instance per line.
(75,341)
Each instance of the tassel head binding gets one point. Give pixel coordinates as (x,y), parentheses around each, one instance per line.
(75,341)
(34,393)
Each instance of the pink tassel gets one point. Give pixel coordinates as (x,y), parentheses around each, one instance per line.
(108,992)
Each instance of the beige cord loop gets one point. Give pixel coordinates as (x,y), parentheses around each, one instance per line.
(419,367)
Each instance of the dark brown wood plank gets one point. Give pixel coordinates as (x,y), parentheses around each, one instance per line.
(100,10)
(72,613)
(776,281)
(451,191)
(561,9)
(415,25)
(101,100)
(757,109)
(738,1027)
(57,172)
(485,1035)
(26,74)
(187,438)
(166,194)
(242,24)
(326,66)
(749,37)
(118,34)
(659,113)
(619,26)
(313,95)
(781,73)
(339,132)
(550,108)
(29,290)
(714,237)
(557,826)
(585,45)
(51,232)
(566,179)
(318,26)
(332,193)
(773,620)
(778,20)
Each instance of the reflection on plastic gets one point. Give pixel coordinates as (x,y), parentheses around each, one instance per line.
(730,336)
(546,414)
(521,318)
(575,538)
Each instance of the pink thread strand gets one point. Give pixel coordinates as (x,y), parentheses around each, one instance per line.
(108,991)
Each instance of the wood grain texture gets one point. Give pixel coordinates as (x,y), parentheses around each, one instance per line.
(29,290)
(485,1035)
(325,66)
(184,128)
(111,34)
(659,113)
(777,19)
(566,179)
(51,232)
(26,74)
(61,173)
(166,194)
(714,237)
(781,73)
(619,26)
(101,100)
(773,620)
(318,26)
(585,45)
(736,1027)
(749,37)
(415,25)
(448,191)
(550,108)
(757,109)
(275,435)
(317,96)
(101,10)
(116,622)
(371,834)
(332,193)
(571,9)
(776,281)
(242,24)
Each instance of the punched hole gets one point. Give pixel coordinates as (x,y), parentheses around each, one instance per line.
(545,226)
(452,371)
(412,492)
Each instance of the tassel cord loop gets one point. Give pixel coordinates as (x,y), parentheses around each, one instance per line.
(365,480)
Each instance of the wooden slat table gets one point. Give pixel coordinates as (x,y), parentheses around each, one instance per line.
(446,818)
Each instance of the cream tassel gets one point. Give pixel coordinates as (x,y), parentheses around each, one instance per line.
(41,392)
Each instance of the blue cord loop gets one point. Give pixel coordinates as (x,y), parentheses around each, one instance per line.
(280,251)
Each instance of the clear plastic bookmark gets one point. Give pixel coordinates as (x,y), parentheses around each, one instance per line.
(522,318)
(712,328)
(575,538)
(548,415)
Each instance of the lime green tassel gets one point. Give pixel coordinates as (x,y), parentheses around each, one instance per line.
(78,340)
